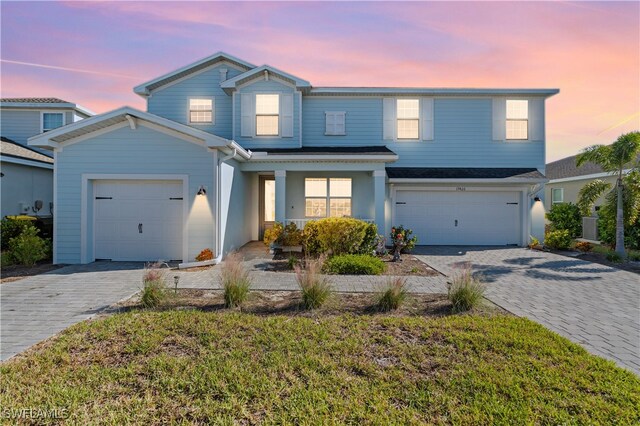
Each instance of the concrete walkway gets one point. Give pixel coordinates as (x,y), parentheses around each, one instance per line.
(594,305)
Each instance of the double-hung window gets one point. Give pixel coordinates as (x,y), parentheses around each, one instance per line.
(327,197)
(517,119)
(267,115)
(408,116)
(200,111)
(557,196)
(52,120)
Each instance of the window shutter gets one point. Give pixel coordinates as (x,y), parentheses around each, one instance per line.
(340,123)
(286,110)
(499,119)
(536,119)
(388,118)
(247,114)
(330,123)
(427,119)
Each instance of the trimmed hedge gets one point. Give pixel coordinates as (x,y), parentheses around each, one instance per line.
(558,240)
(354,264)
(339,235)
(566,216)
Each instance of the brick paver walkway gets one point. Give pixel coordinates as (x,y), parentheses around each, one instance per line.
(591,304)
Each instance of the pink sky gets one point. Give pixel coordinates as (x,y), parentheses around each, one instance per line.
(590,51)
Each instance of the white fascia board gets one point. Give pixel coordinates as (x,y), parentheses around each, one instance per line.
(43,106)
(428,91)
(142,88)
(26,162)
(231,83)
(503,181)
(588,177)
(324,157)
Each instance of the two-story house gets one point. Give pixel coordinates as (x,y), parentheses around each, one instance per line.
(226,148)
(27,172)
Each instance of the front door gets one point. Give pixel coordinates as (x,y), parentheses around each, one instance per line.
(267,203)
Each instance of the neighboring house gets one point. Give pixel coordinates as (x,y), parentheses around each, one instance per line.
(227,148)
(27,172)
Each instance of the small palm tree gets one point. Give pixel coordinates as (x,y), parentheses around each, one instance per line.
(623,154)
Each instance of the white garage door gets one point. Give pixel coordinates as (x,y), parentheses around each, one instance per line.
(460,218)
(138,220)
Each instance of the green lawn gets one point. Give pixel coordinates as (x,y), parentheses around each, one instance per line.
(225,367)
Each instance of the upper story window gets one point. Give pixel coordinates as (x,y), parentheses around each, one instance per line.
(517,119)
(52,120)
(200,111)
(408,116)
(557,196)
(335,123)
(327,197)
(267,115)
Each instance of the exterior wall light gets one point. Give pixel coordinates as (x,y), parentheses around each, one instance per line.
(537,199)
(202,191)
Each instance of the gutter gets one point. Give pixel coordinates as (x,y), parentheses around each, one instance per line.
(502,181)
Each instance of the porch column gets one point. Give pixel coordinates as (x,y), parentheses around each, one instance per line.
(281,195)
(379,199)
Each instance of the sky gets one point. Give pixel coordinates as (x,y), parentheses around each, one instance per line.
(94,53)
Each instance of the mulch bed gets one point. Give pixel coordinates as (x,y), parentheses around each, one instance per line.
(602,259)
(18,272)
(289,303)
(409,265)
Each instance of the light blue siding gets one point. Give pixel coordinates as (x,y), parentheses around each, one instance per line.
(255,143)
(25,184)
(172,101)
(126,151)
(235,208)
(20,125)
(462,133)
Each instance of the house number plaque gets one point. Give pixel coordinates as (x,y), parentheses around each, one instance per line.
(461,188)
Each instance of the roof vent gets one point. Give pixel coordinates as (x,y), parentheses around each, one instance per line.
(223,74)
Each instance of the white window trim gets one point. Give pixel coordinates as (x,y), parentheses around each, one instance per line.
(42,113)
(507,120)
(213,111)
(327,198)
(420,118)
(255,115)
(561,196)
(336,113)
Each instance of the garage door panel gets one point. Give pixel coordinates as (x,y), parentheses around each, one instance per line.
(460,218)
(134,203)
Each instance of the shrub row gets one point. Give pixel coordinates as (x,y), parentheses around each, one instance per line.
(354,264)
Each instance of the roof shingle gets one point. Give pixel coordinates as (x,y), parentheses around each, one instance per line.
(34,100)
(14,149)
(462,173)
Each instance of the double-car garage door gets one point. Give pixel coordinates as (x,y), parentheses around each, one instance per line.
(138,220)
(460,217)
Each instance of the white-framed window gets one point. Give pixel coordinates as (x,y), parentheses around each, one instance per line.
(408,118)
(557,195)
(327,197)
(52,120)
(200,111)
(335,123)
(267,114)
(517,119)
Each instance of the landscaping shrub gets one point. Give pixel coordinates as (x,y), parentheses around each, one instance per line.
(464,290)
(584,246)
(392,295)
(205,254)
(28,248)
(607,229)
(292,261)
(235,281)
(558,240)
(354,264)
(614,257)
(566,216)
(339,235)
(404,234)
(634,256)
(273,234)
(288,235)
(315,286)
(534,242)
(11,227)
(154,287)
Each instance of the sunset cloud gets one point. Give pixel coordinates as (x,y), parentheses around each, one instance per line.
(94,53)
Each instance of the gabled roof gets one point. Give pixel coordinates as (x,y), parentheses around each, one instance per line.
(567,168)
(466,173)
(145,88)
(43,103)
(54,138)
(10,148)
(232,83)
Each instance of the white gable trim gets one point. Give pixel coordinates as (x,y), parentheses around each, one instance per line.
(25,162)
(193,74)
(588,177)
(259,73)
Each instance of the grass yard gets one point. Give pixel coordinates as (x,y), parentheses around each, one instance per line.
(227,367)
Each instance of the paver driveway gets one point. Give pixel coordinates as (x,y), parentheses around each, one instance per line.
(35,308)
(591,304)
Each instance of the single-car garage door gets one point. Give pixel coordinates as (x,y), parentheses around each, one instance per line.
(138,220)
(460,218)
